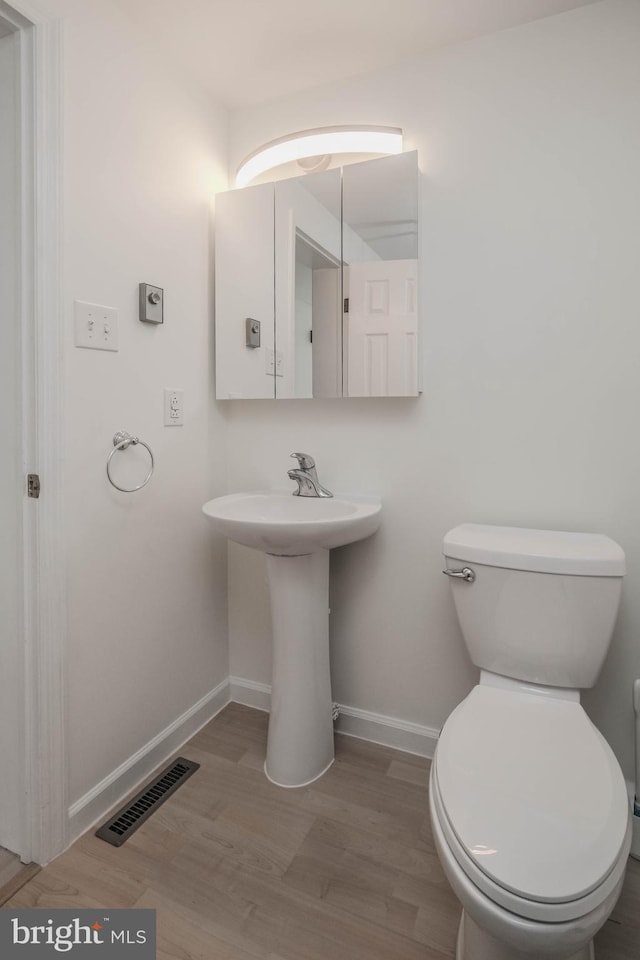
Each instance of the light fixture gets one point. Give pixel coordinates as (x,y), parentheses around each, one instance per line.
(318,143)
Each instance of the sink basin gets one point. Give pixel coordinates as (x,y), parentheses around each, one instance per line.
(287,526)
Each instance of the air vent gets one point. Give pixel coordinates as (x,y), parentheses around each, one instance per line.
(127,820)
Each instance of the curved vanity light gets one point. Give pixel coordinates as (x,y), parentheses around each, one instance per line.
(319,142)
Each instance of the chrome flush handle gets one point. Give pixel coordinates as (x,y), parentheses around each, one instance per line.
(465,574)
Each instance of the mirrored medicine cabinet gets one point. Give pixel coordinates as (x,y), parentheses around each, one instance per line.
(316,284)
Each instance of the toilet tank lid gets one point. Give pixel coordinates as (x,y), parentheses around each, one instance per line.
(541,551)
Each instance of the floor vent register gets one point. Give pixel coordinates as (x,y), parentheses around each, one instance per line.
(127,820)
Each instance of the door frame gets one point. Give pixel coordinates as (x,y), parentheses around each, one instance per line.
(42,716)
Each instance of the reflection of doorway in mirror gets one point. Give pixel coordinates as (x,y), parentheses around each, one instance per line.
(317,330)
(303,320)
(307,245)
(382,328)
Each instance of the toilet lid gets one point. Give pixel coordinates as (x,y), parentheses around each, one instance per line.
(532,792)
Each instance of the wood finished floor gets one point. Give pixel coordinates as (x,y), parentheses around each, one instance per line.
(240,869)
(9,865)
(13,874)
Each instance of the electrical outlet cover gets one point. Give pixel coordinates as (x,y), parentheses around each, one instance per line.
(173,407)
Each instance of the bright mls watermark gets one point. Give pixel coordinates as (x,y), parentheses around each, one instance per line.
(79,934)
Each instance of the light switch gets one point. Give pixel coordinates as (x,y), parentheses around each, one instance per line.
(274,363)
(96,326)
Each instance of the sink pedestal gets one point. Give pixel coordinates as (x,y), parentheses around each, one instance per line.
(297,533)
(300,738)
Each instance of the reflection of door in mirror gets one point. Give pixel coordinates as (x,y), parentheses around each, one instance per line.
(380,277)
(308,286)
(244,289)
(382,328)
(318,336)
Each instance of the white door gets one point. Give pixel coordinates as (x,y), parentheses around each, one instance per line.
(382,325)
(11,483)
(33,802)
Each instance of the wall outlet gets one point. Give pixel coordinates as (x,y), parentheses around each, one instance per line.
(96,326)
(173,407)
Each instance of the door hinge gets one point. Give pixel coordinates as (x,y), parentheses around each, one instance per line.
(33,485)
(345,305)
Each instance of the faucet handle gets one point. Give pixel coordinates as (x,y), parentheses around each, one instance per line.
(306,462)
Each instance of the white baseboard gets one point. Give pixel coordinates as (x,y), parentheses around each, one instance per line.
(376,727)
(250,693)
(388,731)
(113,789)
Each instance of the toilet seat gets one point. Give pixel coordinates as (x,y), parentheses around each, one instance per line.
(532,802)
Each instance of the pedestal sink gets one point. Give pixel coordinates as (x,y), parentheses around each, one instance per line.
(297,533)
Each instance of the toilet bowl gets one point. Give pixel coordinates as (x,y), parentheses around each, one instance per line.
(528,804)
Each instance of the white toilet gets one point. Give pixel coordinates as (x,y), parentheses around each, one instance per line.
(528,805)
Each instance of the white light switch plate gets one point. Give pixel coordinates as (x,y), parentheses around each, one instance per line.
(96,326)
(274,363)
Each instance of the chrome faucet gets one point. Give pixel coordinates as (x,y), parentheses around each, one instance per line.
(307,478)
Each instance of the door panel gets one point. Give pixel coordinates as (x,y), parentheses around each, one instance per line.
(382,329)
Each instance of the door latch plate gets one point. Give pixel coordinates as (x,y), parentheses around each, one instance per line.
(33,485)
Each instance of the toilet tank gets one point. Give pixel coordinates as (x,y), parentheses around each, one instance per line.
(543,603)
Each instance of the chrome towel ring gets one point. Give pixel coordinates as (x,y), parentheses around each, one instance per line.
(121,441)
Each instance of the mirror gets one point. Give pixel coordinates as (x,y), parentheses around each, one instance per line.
(244,250)
(316,284)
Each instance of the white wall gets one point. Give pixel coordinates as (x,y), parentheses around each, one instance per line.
(530,148)
(143,155)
